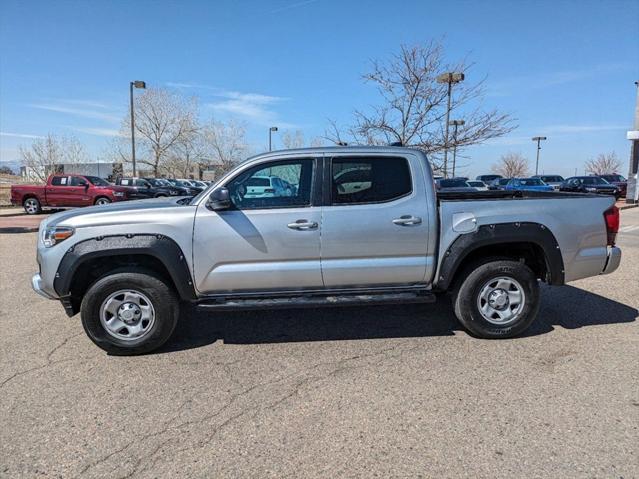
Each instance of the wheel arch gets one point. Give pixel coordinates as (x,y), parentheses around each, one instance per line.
(91,259)
(531,243)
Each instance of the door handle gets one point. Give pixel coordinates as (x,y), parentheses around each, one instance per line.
(407,220)
(303,225)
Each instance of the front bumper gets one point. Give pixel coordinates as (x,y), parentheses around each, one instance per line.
(36,284)
(612,261)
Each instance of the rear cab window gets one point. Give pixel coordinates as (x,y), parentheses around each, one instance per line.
(369,180)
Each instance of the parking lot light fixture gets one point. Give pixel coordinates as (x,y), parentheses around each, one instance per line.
(270,137)
(136,84)
(456,124)
(449,78)
(538,139)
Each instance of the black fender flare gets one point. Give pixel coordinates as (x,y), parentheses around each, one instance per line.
(502,233)
(161,247)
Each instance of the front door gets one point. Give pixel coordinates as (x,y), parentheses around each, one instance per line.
(268,240)
(375,222)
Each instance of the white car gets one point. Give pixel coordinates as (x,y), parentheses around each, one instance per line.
(478,185)
(267,187)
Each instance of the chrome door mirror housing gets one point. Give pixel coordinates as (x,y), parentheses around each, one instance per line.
(219,199)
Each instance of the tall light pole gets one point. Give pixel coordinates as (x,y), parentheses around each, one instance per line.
(449,78)
(538,139)
(136,84)
(270,139)
(456,124)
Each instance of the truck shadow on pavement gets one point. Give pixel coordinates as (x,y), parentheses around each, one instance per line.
(567,307)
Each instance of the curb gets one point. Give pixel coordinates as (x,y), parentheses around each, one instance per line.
(19,229)
(628,206)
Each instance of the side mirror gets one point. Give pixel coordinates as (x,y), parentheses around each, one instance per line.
(219,199)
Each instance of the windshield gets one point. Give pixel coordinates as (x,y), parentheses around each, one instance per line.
(158,182)
(97,181)
(476,183)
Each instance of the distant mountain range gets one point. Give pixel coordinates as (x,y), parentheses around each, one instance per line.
(14,165)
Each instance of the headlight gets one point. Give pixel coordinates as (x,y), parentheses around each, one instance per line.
(591,190)
(56,234)
(118,193)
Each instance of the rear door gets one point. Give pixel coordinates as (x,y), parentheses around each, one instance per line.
(59,191)
(375,222)
(266,241)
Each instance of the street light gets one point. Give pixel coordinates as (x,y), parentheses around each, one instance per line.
(270,139)
(449,78)
(136,84)
(456,124)
(538,139)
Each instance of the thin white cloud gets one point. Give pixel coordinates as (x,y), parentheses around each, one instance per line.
(20,135)
(110,132)
(293,5)
(63,107)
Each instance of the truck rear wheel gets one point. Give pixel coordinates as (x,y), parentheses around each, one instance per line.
(32,206)
(129,313)
(497,299)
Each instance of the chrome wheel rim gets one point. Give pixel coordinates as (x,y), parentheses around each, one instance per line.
(127,315)
(501,300)
(102,202)
(31,205)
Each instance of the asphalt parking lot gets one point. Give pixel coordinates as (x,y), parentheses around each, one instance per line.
(358,392)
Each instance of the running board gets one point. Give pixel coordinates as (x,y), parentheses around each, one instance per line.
(317,301)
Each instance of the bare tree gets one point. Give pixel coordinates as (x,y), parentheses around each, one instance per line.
(511,165)
(293,140)
(46,154)
(225,144)
(163,120)
(187,157)
(413,105)
(604,164)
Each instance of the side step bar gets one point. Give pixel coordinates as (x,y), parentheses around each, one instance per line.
(317,301)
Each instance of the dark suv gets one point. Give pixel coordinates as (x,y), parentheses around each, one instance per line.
(589,184)
(617,180)
(142,188)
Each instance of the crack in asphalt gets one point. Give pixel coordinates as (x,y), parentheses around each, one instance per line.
(43,366)
(341,365)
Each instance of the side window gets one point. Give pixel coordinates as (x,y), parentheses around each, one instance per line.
(257,187)
(369,180)
(59,181)
(125,182)
(77,181)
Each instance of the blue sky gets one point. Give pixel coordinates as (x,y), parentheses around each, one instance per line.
(563,69)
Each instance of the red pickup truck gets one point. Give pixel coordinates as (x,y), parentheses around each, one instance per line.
(63,191)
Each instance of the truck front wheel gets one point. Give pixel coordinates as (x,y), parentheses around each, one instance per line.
(129,313)
(497,299)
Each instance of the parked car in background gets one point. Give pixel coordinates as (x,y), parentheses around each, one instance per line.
(488,178)
(267,186)
(619,181)
(163,183)
(478,185)
(141,188)
(64,191)
(589,184)
(453,184)
(192,189)
(553,180)
(128,269)
(498,183)
(527,184)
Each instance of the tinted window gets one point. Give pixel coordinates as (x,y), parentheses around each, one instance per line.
(531,182)
(453,183)
(593,180)
(369,180)
(555,179)
(59,181)
(96,180)
(252,189)
(77,181)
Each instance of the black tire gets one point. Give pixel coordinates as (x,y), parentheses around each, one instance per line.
(102,200)
(32,206)
(163,299)
(466,299)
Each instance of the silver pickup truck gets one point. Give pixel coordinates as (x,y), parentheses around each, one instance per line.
(323,226)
